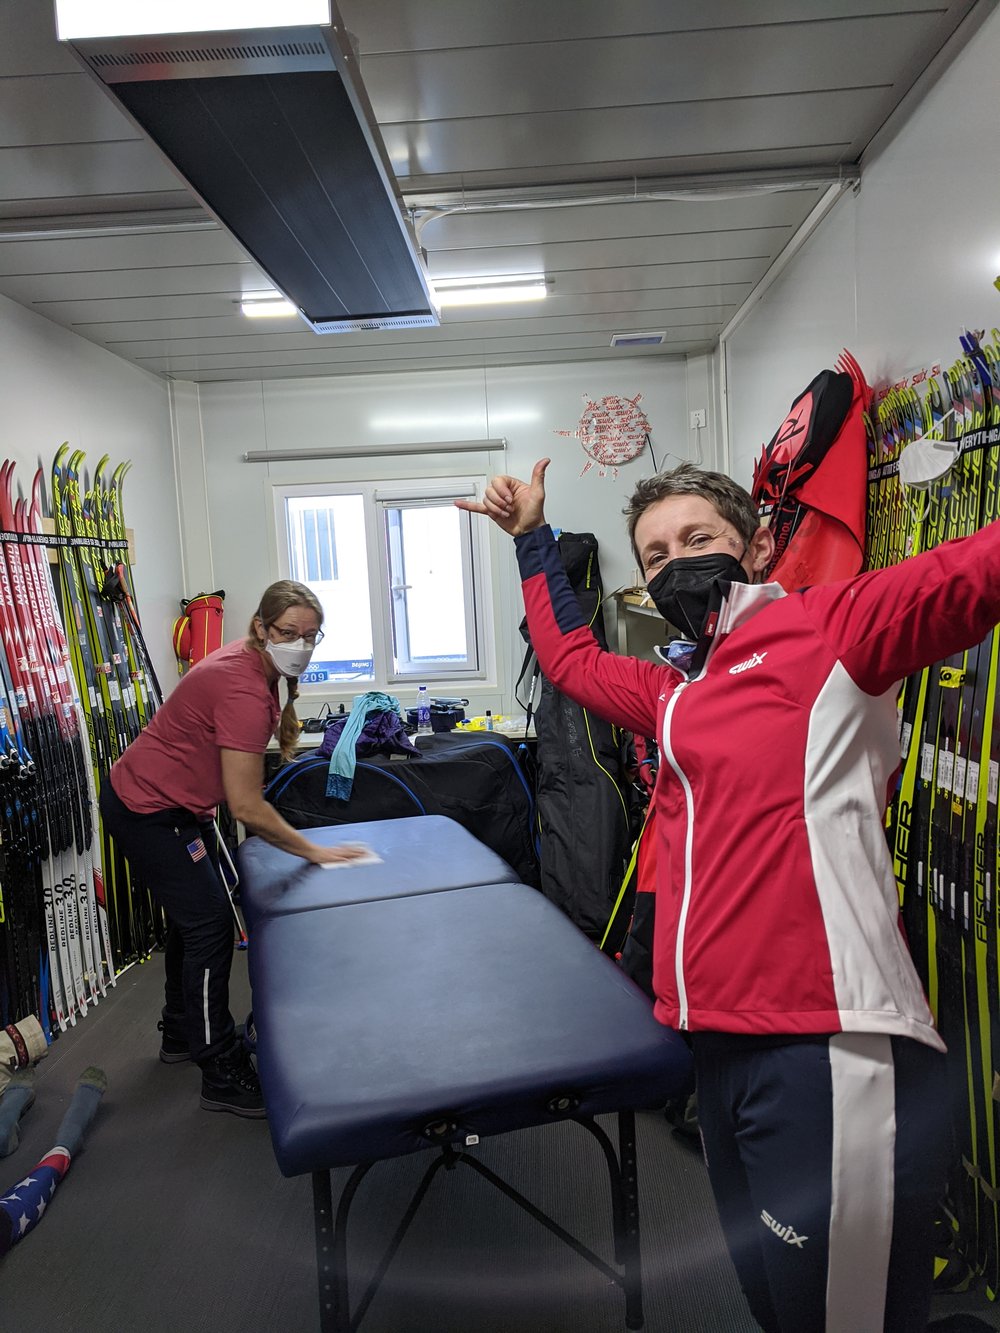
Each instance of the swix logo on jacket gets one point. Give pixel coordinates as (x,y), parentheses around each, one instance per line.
(786,1233)
(756,660)
(777,909)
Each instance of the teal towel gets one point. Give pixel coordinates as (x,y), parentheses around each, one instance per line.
(340,776)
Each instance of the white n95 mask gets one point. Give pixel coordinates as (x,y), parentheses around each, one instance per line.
(291,659)
(923,460)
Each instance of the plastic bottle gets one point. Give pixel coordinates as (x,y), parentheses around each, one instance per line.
(489,719)
(424,727)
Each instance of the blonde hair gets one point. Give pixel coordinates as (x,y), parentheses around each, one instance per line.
(274,602)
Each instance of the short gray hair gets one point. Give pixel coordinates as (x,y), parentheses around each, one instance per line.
(729,500)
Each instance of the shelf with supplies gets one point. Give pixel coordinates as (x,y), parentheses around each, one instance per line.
(639,625)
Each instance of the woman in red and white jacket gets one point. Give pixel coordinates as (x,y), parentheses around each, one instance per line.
(777,940)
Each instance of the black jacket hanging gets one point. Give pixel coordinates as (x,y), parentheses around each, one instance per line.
(588,810)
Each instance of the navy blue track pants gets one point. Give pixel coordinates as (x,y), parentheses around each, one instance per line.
(827,1158)
(176,855)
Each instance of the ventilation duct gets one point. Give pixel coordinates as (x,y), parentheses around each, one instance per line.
(638,339)
(273,132)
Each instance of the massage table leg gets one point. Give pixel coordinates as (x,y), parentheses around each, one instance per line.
(331,1231)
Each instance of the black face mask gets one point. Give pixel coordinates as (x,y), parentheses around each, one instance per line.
(686,591)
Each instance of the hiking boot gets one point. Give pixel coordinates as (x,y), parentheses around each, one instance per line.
(173,1049)
(229,1083)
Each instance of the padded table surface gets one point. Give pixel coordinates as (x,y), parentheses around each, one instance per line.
(422,854)
(390,1025)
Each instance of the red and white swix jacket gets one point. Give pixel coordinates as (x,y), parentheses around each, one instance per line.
(777,910)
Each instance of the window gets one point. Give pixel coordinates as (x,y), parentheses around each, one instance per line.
(340,581)
(315,542)
(401,574)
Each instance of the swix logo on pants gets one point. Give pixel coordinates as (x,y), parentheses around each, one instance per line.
(786,1233)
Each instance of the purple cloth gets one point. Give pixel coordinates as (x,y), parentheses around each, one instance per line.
(382,733)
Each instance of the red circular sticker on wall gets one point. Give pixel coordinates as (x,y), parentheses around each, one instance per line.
(612,431)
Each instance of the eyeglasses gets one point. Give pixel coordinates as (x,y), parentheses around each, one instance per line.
(312,637)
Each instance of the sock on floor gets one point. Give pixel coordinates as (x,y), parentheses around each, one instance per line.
(90,1088)
(16,1098)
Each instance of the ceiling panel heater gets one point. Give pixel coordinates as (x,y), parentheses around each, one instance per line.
(273,131)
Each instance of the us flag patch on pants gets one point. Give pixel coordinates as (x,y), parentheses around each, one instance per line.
(197,849)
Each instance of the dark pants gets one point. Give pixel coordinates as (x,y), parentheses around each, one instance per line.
(827,1158)
(176,856)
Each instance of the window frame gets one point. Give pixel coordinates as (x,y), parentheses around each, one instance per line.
(377,497)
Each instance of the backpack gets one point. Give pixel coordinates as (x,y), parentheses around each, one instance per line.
(198,631)
(810,482)
(588,810)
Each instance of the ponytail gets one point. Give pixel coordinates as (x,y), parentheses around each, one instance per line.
(289,727)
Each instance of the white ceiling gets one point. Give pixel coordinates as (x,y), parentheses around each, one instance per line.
(489,109)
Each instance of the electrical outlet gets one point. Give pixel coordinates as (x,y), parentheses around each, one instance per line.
(698,418)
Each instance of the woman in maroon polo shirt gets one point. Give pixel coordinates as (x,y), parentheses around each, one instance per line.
(206,745)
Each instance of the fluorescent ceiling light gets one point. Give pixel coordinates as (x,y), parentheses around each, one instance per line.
(267,307)
(466,296)
(129,18)
(489,291)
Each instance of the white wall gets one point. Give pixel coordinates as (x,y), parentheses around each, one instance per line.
(895,272)
(55,386)
(525,405)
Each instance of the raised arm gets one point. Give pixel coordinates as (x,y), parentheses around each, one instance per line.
(515,506)
(243,781)
(622,690)
(887,623)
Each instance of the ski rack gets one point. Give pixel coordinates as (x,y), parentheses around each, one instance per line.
(942,822)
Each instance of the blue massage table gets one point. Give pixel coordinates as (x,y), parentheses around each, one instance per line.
(443,1002)
(421,854)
